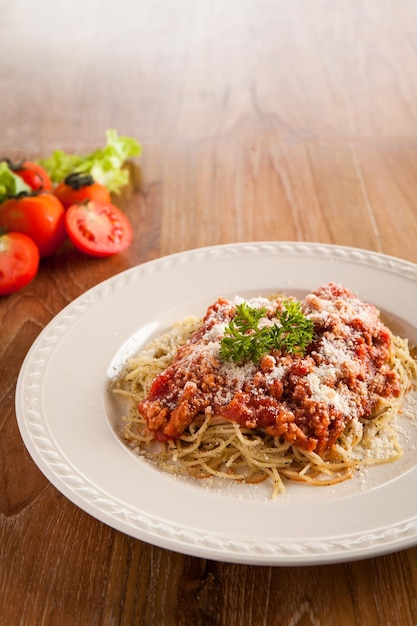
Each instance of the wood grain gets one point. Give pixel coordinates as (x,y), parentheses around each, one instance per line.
(259,120)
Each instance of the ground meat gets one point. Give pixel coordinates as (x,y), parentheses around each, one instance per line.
(306,400)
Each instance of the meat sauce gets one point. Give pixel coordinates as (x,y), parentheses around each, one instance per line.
(307,400)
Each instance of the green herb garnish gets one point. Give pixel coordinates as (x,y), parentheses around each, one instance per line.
(245,341)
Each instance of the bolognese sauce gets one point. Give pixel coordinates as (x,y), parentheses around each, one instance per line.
(304,399)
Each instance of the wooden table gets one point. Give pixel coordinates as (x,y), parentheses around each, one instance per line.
(259,120)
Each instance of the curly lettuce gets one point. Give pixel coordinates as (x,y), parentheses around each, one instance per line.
(10,183)
(105,165)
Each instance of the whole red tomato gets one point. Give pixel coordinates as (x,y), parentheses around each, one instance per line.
(40,215)
(32,173)
(19,261)
(78,188)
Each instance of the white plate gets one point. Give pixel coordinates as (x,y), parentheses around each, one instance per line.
(68,419)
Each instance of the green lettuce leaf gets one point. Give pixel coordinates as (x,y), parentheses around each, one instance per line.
(105,165)
(10,183)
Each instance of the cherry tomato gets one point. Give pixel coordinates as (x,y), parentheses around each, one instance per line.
(78,187)
(39,215)
(32,173)
(19,261)
(97,228)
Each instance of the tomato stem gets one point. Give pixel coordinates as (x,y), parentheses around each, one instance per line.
(12,165)
(76,180)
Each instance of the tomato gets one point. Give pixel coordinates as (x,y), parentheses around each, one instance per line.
(32,173)
(98,228)
(79,187)
(39,215)
(19,262)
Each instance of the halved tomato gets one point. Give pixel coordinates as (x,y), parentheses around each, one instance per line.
(39,215)
(19,262)
(79,187)
(98,228)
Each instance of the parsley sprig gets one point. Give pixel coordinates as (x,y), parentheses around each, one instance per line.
(244,340)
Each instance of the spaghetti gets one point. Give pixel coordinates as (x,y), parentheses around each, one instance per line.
(313,416)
